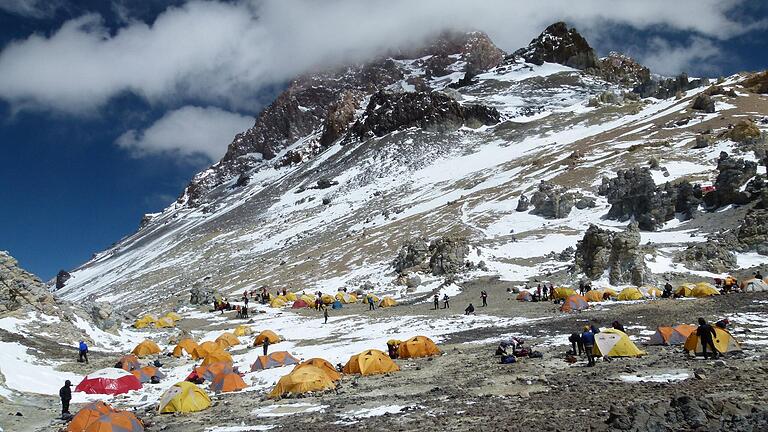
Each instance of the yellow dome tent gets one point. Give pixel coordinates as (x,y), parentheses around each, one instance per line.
(216,357)
(594,296)
(685,290)
(227,340)
(703,289)
(309,299)
(302,380)
(173,315)
(277,302)
(387,302)
(610,291)
(323,365)
(184,397)
(187,345)
(650,291)
(724,342)
(628,294)
(290,297)
(562,293)
(370,362)
(243,330)
(418,346)
(146,348)
(204,349)
(327,299)
(266,334)
(343,297)
(615,343)
(352,298)
(144,321)
(165,322)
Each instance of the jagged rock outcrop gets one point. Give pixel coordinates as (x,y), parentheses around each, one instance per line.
(19,288)
(104,316)
(551,201)
(733,173)
(753,231)
(686,413)
(616,253)
(633,194)
(62,277)
(757,83)
(340,116)
(442,256)
(709,256)
(560,44)
(703,102)
(624,70)
(388,112)
(667,88)
(523,203)
(201,294)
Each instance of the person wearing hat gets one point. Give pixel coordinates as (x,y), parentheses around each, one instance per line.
(588,340)
(65,393)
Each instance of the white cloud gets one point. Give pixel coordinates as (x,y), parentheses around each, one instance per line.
(31,8)
(669,59)
(187,132)
(223,53)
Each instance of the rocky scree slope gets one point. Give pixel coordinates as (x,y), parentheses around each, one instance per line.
(445,141)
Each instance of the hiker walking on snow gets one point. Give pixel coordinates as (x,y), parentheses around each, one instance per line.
(325,315)
(588,340)
(706,333)
(446,305)
(437,301)
(265,345)
(484,296)
(82,352)
(65,394)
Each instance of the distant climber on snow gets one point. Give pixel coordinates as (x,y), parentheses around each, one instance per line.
(470,310)
(436,301)
(484,297)
(82,352)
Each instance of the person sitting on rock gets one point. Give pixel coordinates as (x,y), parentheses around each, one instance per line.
(470,310)
(723,323)
(617,325)
(758,275)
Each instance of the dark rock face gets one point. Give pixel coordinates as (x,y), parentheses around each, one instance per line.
(523,203)
(708,256)
(551,201)
(442,256)
(389,112)
(560,44)
(753,232)
(340,116)
(733,174)
(669,87)
(703,102)
(633,194)
(200,294)
(617,253)
(681,413)
(618,68)
(61,278)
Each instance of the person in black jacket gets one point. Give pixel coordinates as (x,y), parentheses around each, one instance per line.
(706,334)
(65,393)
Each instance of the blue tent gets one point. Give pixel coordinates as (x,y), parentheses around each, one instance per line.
(336,305)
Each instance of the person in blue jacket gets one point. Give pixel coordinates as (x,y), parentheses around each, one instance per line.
(83,352)
(588,340)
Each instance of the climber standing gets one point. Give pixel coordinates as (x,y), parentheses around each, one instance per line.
(82,352)
(446,305)
(436,301)
(65,394)
(484,296)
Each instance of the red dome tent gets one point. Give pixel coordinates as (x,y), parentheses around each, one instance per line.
(108,381)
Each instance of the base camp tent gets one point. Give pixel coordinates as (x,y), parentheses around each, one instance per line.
(299,304)
(562,293)
(594,296)
(387,302)
(146,348)
(216,357)
(227,340)
(173,315)
(273,360)
(574,303)
(651,291)
(417,346)
(116,421)
(185,345)
(370,362)
(327,299)
(277,302)
(754,285)
(144,321)
(628,294)
(672,335)
(165,322)
(724,342)
(684,290)
(266,334)
(525,296)
(242,330)
(703,289)
(108,381)
(184,397)
(129,362)
(145,374)
(615,343)
(336,305)
(302,380)
(227,382)
(323,365)
(209,372)
(205,348)
(87,415)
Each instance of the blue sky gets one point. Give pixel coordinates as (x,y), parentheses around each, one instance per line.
(107,109)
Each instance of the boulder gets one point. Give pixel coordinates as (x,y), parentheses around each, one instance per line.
(703,102)
(523,203)
(752,234)
(413,256)
(617,253)
(413,281)
(702,141)
(103,316)
(744,132)
(709,256)
(448,255)
(551,201)
(200,294)
(669,87)
(757,83)
(61,278)
(585,202)
(624,70)
(732,174)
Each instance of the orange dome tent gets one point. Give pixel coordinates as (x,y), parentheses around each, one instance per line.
(370,362)
(275,359)
(266,334)
(210,371)
(672,335)
(724,342)
(594,296)
(117,421)
(87,415)
(525,296)
(204,349)
(129,362)
(323,365)
(216,357)
(146,348)
(299,381)
(574,303)
(227,382)
(418,346)
(227,340)
(145,374)
(187,345)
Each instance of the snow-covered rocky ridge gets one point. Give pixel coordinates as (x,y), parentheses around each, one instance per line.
(327,186)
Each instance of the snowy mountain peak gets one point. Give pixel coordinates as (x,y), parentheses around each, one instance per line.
(560,44)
